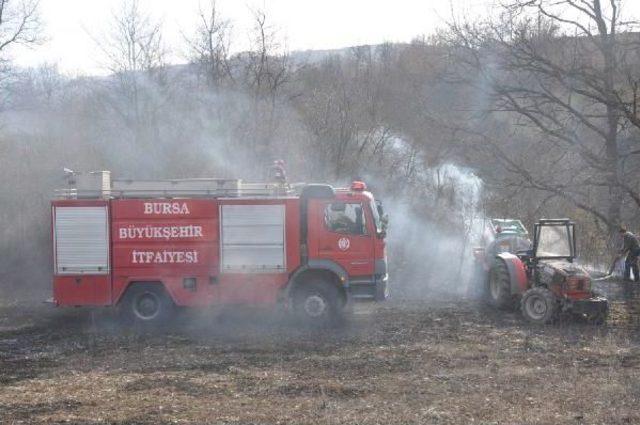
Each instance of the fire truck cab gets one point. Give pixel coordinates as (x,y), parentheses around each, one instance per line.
(149,246)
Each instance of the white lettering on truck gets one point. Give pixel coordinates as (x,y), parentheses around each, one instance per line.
(166,208)
(160,232)
(164,257)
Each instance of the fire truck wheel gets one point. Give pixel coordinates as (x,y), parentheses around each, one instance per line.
(499,285)
(539,305)
(146,304)
(317,302)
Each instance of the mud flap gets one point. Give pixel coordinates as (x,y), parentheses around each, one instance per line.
(517,273)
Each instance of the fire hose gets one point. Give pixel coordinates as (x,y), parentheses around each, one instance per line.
(612,267)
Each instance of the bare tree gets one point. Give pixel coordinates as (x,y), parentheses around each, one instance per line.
(19,26)
(134,41)
(268,65)
(267,70)
(138,88)
(209,46)
(19,23)
(556,69)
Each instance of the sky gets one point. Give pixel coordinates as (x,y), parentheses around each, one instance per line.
(72,26)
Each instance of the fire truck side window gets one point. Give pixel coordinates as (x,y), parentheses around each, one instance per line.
(347,218)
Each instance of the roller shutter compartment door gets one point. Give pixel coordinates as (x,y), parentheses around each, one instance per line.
(252,238)
(81,240)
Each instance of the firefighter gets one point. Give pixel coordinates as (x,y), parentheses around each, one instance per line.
(630,248)
(338,220)
(278,173)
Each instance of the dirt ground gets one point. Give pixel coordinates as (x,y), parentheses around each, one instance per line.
(430,362)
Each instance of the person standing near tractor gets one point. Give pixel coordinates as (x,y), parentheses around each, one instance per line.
(630,248)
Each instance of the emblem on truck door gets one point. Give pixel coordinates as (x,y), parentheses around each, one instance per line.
(344,244)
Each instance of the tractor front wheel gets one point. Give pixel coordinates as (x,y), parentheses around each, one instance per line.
(499,285)
(539,305)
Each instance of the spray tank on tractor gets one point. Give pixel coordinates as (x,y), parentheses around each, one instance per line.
(498,235)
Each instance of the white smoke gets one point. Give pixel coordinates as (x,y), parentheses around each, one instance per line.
(431,235)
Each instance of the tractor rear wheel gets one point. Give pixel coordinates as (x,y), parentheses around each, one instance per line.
(499,285)
(539,305)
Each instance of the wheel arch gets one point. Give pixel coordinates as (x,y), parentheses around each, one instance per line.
(140,282)
(330,271)
(134,309)
(517,274)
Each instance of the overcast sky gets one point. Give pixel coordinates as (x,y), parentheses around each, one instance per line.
(303,24)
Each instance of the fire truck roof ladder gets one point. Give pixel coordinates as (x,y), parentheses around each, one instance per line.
(99,185)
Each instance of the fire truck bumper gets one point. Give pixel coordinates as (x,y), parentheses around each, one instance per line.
(591,306)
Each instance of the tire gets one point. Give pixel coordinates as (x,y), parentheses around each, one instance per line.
(317,302)
(146,304)
(539,305)
(498,292)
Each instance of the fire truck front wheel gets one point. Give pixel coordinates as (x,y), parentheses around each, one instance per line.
(146,304)
(317,303)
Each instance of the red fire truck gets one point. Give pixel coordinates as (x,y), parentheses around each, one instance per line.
(149,246)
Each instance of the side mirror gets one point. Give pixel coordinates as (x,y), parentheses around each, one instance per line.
(380,208)
(384,223)
(384,220)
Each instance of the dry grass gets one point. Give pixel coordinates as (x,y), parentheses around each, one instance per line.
(436,363)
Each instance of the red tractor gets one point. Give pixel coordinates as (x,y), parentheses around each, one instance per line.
(545,280)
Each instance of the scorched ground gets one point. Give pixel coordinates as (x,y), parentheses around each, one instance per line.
(443,362)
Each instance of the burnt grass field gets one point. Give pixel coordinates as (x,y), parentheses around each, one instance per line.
(441,361)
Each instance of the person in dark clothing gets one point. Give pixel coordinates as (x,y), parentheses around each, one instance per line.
(277,172)
(630,247)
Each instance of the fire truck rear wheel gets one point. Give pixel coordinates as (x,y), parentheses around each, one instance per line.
(317,302)
(539,305)
(499,285)
(146,304)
